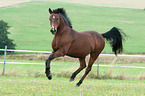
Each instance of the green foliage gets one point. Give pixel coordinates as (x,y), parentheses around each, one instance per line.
(4,40)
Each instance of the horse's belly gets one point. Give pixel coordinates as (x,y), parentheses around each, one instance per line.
(79,53)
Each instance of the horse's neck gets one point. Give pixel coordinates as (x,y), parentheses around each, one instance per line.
(63,26)
(65,29)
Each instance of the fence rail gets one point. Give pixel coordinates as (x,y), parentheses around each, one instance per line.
(48,52)
(25,51)
(57,64)
(29,51)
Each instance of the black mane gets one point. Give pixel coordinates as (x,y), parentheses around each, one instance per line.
(62,12)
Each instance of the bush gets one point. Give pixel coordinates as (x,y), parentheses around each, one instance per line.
(4,40)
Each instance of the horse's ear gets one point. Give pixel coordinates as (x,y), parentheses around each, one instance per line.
(50,11)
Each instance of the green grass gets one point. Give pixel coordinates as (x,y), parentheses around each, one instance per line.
(30,31)
(28,86)
(30,25)
(67,68)
(29,79)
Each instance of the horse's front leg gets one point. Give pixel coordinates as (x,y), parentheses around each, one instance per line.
(47,70)
(48,61)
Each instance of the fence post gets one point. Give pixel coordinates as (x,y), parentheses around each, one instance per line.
(4,60)
(97,67)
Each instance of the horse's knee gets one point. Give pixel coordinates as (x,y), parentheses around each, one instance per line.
(51,57)
(88,70)
(83,66)
(46,61)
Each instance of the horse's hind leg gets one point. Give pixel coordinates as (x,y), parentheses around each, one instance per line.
(93,57)
(82,66)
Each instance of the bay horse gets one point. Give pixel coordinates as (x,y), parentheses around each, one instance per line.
(75,44)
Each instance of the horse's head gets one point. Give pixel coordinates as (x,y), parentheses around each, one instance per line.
(54,21)
(58,17)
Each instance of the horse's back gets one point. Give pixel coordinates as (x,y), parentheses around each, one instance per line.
(96,37)
(85,43)
(94,34)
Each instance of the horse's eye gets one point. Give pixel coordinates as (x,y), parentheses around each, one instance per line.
(57,18)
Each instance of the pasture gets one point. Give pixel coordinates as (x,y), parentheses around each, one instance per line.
(30,80)
(30,31)
(30,24)
(67,68)
(29,86)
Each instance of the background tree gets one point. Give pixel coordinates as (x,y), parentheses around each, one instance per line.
(4,40)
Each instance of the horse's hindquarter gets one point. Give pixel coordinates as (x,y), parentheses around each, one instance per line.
(85,43)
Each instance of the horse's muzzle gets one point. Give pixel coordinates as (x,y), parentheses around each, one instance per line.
(53,31)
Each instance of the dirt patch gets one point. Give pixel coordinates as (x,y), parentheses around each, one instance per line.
(4,3)
(133,4)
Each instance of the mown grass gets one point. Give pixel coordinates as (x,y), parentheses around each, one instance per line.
(30,25)
(29,86)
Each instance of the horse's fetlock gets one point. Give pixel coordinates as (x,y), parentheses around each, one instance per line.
(84,66)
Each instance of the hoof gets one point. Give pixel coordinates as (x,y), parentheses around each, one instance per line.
(49,76)
(71,79)
(77,85)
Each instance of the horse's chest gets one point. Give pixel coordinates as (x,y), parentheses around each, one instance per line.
(57,44)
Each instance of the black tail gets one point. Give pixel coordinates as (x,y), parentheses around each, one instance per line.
(115,37)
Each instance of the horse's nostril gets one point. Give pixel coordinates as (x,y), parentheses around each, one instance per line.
(53,31)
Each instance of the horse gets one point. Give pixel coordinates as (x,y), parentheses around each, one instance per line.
(75,44)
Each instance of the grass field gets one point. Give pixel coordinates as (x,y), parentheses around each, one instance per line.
(29,86)
(30,25)
(30,31)
(30,80)
(65,69)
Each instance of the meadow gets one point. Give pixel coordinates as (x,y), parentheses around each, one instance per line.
(65,69)
(29,86)
(30,80)
(30,31)
(30,24)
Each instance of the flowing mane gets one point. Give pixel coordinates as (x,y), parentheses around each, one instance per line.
(62,12)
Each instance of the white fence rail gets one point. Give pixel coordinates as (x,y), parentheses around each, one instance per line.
(25,51)
(5,50)
(29,51)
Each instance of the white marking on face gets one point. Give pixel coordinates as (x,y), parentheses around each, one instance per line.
(53,17)
(53,26)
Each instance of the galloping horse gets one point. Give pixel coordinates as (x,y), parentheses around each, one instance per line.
(69,42)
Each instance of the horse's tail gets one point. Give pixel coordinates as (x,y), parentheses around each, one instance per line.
(115,37)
